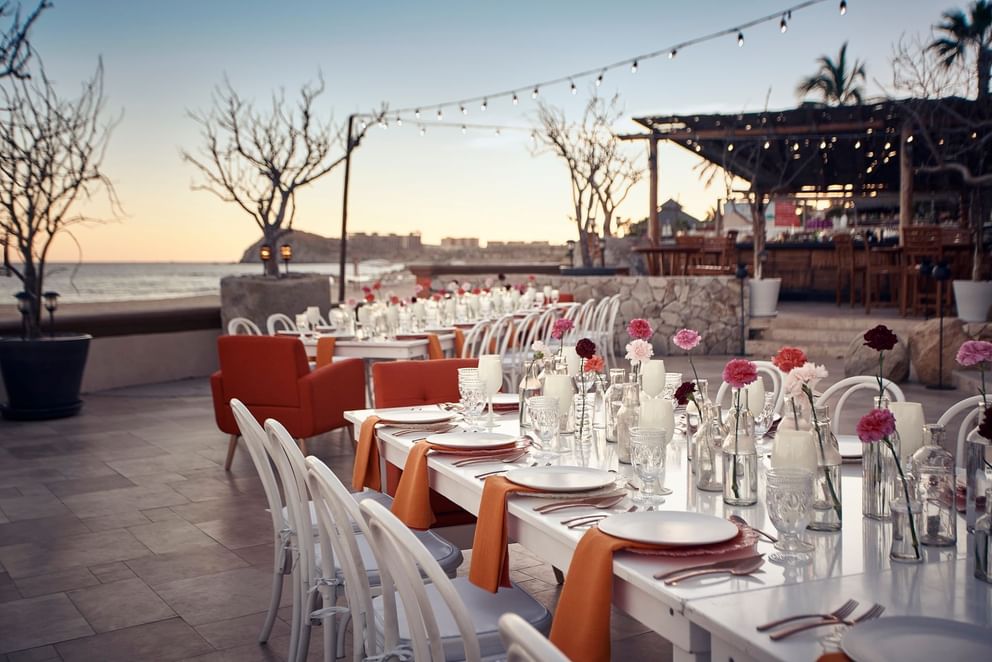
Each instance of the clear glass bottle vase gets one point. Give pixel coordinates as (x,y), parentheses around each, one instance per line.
(584,405)
(982,544)
(628,418)
(530,386)
(613,399)
(977,456)
(740,468)
(827,499)
(907,521)
(933,469)
(879,477)
(707,459)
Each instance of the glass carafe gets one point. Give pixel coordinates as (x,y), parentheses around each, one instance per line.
(933,467)
(614,397)
(827,510)
(628,417)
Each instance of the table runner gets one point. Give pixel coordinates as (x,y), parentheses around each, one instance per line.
(490,567)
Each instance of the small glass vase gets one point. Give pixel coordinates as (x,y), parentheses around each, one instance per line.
(740,469)
(827,508)
(795,414)
(977,456)
(876,480)
(628,418)
(983,544)
(613,399)
(530,386)
(707,460)
(906,525)
(934,471)
(585,407)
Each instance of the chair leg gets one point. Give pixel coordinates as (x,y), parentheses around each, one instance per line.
(309,601)
(302,443)
(232,445)
(277,579)
(559,575)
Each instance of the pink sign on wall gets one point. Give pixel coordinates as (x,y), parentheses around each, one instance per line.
(785,214)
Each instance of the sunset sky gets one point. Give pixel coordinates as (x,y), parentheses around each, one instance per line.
(164,58)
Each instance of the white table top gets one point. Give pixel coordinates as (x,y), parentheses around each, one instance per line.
(861,547)
(382,349)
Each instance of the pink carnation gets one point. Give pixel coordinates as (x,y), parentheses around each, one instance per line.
(876,425)
(808,374)
(687,339)
(973,352)
(640,329)
(740,372)
(561,327)
(639,351)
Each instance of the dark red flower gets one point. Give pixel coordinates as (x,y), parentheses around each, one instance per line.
(684,392)
(881,338)
(370,298)
(366,289)
(395,300)
(476,290)
(585,348)
(461,292)
(985,429)
(377,285)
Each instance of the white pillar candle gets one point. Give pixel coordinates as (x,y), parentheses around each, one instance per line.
(547,291)
(572,360)
(658,413)
(794,449)
(909,425)
(653,377)
(559,387)
(756,396)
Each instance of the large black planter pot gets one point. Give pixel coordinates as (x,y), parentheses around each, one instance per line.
(43,376)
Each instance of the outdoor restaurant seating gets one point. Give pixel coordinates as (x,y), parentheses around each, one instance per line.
(272,377)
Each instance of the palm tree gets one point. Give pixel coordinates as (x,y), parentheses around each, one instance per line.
(965,32)
(834,82)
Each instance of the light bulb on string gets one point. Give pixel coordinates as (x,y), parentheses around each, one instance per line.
(740,40)
(909,139)
(423,130)
(573,88)
(857,144)
(399,121)
(515,99)
(823,144)
(464,129)
(843,7)
(416,114)
(363,125)
(730,147)
(599,80)
(463,109)
(783,25)
(767,144)
(795,146)
(497,132)
(440,115)
(533,95)
(485,104)
(672,53)
(633,67)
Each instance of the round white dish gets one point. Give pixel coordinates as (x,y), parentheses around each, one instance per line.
(474,440)
(415,417)
(561,479)
(916,638)
(850,446)
(506,399)
(662,527)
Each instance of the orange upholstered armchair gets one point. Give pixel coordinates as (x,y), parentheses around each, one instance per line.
(270,374)
(409,383)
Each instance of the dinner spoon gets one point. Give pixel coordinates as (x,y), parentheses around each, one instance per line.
(737,519)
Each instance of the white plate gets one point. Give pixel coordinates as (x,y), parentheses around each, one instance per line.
(849,445)
(561,479)
(506,399)
(912,638)
(475,440)
(414,416)
(663,527)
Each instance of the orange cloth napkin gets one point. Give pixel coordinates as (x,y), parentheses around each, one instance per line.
(325,350)
(459,342)
(366,470)
(434,350)
(412,502)
(834,657)
(490,567)
(581,627)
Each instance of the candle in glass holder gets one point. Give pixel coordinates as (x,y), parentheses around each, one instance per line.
(794,449)
(653,378)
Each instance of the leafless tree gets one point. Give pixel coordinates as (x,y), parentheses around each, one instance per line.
(260,159)
(15,49)
(51,158)
(919,73)
(601,174)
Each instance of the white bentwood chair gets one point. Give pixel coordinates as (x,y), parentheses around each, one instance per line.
(279,322)
(968,422)
(474,345)
(765,369)
(848,386)
(447,619)
(242,326)
(524,643)
(316,571)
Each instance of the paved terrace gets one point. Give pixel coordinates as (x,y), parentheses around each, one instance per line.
(122,537)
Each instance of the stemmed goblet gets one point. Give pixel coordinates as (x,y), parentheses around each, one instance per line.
(647,454)
(790,507)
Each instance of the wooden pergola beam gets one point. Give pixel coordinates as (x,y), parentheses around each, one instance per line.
(764,131)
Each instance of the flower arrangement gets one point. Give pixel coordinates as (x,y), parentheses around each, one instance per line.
(688,340)
(787,359)
(881,339)
(594,364)
(976,353)
(558,331)
(877,426)
(738,373)
(370,297)
(394,300)
(639,329)
(586,349)
(540,350)
(684,393)
(803,380)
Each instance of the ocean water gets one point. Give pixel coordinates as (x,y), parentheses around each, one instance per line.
(105,281)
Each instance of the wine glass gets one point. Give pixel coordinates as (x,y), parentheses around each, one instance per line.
(653,377)
(790,506)
(491,375)
(647,454)
(543,412)
(472,392)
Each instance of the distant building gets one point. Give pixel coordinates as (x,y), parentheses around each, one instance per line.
(459,242)
(510,245)
(386,243)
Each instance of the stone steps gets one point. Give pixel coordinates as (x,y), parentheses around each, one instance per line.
(763,350)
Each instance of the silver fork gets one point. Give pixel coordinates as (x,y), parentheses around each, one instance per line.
(841,612)
(872,613)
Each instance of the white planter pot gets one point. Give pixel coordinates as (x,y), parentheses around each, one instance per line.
(764,296)
(973,299)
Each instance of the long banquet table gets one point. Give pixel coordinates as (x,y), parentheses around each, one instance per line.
(714,618)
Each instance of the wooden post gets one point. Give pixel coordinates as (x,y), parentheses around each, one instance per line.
(653,229)
(905,180)
(344,209)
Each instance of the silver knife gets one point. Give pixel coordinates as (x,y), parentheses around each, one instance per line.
(730,563)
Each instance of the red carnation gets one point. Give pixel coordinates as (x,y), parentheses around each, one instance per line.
(684,393)
(370,297)
(789,358)
(377,285)
(985,429)
(881,338)
(585,348)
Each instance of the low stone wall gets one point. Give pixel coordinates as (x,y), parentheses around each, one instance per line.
(257,297)
(708,304)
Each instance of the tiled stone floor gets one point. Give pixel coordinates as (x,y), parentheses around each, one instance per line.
(122,537)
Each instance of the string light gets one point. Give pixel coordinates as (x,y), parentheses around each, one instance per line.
(730,147)
(823,144)
(857,145)
(843,7)
(399,121)
(440,115)
(672,53)
(416,113)
(574,89)
(423,130)
(533,95)
(464,129)
(599,80)
(740,40)
(497,132)
(633,67)
(363,125)
(515,99)
(783,26)
(767,144)
(910,139)
(463,109)
(485,104)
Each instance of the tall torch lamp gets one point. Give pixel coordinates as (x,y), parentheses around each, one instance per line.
(24,308)
(286,253)
(265,254)
(51,300)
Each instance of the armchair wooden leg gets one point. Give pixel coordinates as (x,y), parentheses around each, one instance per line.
(302,443)
(232,445)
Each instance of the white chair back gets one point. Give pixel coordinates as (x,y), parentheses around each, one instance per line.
(848,386)
(242,326)
(337,517)
(524,643)
(765,369)
(584,317)
(279,322)
(401,559)
(608,322)
(475,341)
(968,423)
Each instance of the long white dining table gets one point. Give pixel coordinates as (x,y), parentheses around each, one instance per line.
(714,617)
